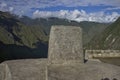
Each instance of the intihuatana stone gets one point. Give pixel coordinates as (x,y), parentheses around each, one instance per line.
(65,44)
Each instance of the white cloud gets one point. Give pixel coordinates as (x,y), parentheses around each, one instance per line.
(72,3)
(46,3)
(112,8)
(26,7)
(5,7)
(11,9)
(78,15)
(25,4)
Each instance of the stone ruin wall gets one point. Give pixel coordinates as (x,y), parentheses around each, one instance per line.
(89,54)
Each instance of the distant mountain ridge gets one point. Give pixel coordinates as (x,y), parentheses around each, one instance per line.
(18,40)
(13,31)
(89,28)
(108,39)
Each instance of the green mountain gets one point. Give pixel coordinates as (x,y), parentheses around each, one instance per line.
(18,40)
(12,31)
(89,28)
(108,39)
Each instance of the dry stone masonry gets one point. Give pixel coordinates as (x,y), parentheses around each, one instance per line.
(90,54)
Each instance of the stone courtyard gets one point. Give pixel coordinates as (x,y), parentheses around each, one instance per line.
(65,61)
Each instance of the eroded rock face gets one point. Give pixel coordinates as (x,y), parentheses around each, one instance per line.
(65,44)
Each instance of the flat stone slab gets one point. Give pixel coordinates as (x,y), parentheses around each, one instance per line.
(89,71)
(29,69)
(38,69)
(65,44)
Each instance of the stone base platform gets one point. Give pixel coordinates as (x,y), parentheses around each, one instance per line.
(26,69)
(89,71)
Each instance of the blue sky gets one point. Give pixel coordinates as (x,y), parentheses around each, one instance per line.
(78,10)
(88,8)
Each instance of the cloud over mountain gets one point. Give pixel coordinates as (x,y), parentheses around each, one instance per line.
(78,15)
(5,7)
(79,10)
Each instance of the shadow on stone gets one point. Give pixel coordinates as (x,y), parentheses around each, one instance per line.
(105,79)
